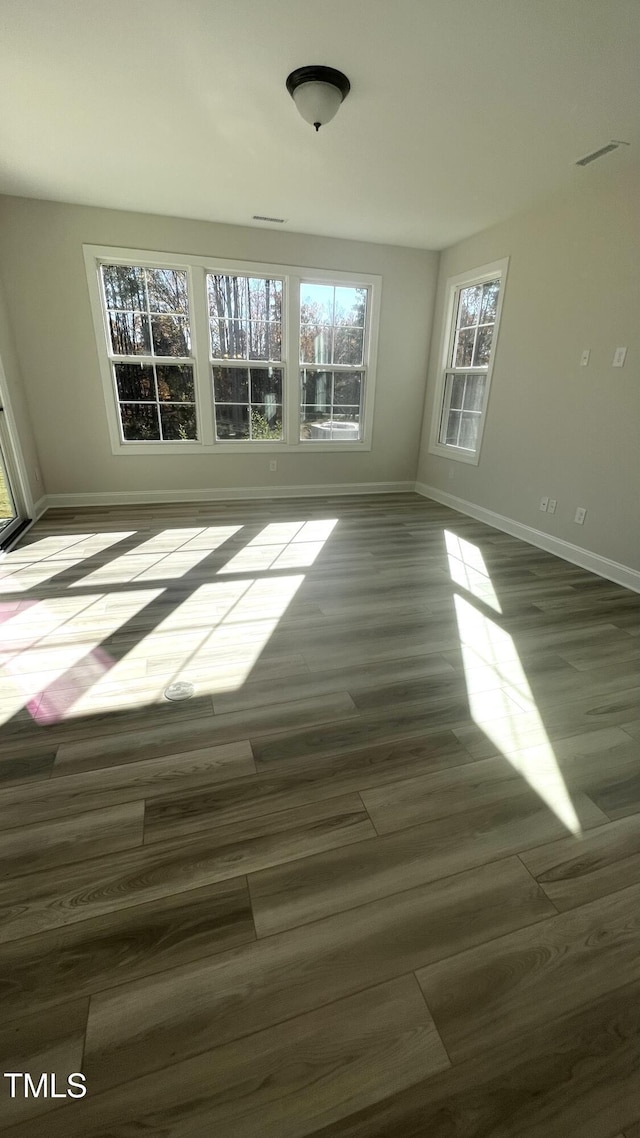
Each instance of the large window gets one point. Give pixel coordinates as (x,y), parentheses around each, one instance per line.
(149,349)
(474,303)
(232,356)
(245,325)
(333,325)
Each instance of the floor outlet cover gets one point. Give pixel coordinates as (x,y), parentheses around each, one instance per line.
(180,690)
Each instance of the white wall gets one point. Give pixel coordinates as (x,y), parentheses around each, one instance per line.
(42,266)
(553,427)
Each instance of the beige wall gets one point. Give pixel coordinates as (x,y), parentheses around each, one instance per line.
(14,390)
(554,428)
(42,266)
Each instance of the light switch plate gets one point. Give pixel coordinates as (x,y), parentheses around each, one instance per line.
(619,357)
(584,358)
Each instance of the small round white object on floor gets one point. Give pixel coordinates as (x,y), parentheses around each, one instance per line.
(182,689)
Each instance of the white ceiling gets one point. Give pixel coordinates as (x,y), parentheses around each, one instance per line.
(461,112)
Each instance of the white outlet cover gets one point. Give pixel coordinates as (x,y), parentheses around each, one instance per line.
(584,358)
(619,357)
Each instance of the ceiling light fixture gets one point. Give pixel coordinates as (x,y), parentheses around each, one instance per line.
(317,92)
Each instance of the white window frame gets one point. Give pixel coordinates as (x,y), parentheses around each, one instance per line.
(247,364)
(453,287)
(197,267)
(369,350)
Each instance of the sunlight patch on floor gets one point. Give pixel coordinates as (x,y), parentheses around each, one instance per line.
(244,633)
(90,546)
(467,568)
(256,558)
(154,565)
(160,656)
(34,565)
(212,639)
(171,540)
(282,545)
(491,661)
(40,666)
(30,622)
(55,666)
(31,576)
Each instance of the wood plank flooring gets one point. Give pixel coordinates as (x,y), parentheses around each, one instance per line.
(378,878)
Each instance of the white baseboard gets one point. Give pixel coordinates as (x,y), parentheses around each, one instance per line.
(603,566)
(153,497)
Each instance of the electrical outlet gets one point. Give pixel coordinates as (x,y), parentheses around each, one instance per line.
(584,358)
(552,506)
(273,464)
(36,474)
(581,514)
(544,504)
(619,357)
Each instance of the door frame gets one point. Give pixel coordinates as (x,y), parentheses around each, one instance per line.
(14,464)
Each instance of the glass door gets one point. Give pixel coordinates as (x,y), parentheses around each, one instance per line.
(13,515)
(8,511)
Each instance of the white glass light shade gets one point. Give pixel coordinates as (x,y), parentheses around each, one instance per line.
(317,102)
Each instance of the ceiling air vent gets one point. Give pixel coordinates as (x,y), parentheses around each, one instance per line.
(613,145)
(261,217)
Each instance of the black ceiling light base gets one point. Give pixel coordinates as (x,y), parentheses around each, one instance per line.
(316,73)
(317,92)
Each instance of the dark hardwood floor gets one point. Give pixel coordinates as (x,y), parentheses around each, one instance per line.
(378,878)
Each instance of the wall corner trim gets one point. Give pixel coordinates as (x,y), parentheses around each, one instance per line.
(39,507)
(593,562)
